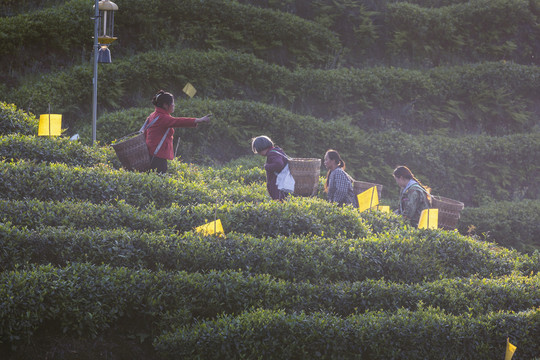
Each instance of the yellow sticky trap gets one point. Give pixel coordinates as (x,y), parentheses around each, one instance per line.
(510,349)
(429,219)
(189,90)
(213,227)
(368,199)
(383,208)
(50,125)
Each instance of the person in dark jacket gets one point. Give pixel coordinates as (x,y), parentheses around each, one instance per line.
(413,197)
(276,159)
(162,130)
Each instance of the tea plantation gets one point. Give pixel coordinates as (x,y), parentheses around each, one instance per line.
(97,262)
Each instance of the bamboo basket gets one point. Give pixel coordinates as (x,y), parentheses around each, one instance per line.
(361,186)
(306,173)
(133,152)
(449,211)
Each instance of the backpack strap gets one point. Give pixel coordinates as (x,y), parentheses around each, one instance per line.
(161,142)
(284,155)
(145,126)
(428,195)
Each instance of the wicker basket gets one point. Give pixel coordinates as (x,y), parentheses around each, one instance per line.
(133,152)
(306,173)
(449,211)
(361,186)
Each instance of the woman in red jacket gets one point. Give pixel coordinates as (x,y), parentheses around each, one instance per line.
(159,133)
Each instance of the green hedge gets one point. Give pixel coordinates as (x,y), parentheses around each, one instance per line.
(100,184)
(375,335)
(13,7)
(479,169)
(54,150)
(476,171)
(14,120)
(424,32)
(395,257)
(459,99)
(305,33)
(437,34)
(86,299)
(274,36)
(270,218)
(473,169)
(511,224)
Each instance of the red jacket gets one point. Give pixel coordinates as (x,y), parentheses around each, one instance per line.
(155,132)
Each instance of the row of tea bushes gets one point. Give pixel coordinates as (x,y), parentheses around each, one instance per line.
(459,99)
(54,150)
(425,32)
(421,256)
(101,184)
(16,121)
(263,32)
(19,141)
(438,34)
(510,224)
(479,169)
(296,216)
(412,33)
(87,299)
(426,333)
(476,170)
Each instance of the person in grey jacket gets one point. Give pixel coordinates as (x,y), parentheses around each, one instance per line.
(413,197)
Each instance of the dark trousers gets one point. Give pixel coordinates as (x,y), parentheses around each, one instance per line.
(158,165)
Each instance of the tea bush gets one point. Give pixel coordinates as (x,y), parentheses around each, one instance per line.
(296,216)
(473,169)
(54,150)
(78,214)
(420,33)
(99,259)
(14,120)
(439,98)
(99,184)
(273,334)
(423,32)
(88,299)
(510,224)
(207,25)
(303,258)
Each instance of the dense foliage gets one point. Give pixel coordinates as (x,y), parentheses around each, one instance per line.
(97,262)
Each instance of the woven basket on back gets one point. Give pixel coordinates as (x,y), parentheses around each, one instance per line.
(306,174)
(133,152)
(448,211)
(361,186)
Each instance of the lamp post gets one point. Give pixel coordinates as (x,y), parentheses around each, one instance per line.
(103,37)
